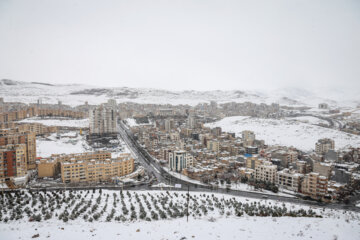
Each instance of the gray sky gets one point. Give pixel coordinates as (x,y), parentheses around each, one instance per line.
(182,44)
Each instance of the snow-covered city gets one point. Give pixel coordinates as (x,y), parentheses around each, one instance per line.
(179,120)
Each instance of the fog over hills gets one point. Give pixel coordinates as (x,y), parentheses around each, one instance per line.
(76,94)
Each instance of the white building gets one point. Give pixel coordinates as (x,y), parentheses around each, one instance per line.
(266,172)
(178,160)
(103,120)
(289,179)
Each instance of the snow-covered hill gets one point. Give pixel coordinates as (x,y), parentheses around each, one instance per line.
(75,94)
(291,132)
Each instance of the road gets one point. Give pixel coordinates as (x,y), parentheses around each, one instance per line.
(154,168)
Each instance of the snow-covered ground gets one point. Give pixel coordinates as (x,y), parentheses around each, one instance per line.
(215,223)
(66,144)
(131,122)
(309,119)
(248,188)
(286,132)
(65,122)
(77,95)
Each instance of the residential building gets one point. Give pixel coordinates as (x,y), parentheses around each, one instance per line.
(213,145)
(103,120)
(248,138)
(324,169)
(266,172)
(288,179)
(253,162)
(324,145)
(12,161)
(96,170)
(50,167)
(314,185)
(27,138)
(179,159)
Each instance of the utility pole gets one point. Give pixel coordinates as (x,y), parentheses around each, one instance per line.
(187,207)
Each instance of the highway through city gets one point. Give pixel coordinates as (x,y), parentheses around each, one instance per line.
(154,168)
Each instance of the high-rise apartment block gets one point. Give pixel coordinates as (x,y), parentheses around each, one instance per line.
(103,120)
(12,161)
(27,138)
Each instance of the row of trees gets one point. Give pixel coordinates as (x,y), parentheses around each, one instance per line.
(131,206)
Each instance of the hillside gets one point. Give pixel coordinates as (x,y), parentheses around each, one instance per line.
(75,94)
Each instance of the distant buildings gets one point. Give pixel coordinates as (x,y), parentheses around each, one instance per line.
(191,122)
(323,106)
(324,145)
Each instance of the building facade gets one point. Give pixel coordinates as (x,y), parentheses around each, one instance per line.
(179,160)
(289,180)
(103,120)
(324,145)
(314,185)
(74,171)
(12,161)
(266,172)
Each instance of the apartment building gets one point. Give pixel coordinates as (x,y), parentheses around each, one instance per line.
(213,145)
(96,170)
(179,159)
(12,161)
(103,120)
(191,122)
(314,185)
(50,167)
(324,145)
(248,138)
(253,162)
(37,128)
(324,169)
(266,172)
(27,138)
(288,179)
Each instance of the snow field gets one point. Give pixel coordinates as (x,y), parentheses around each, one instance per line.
(162,215)
(286,132)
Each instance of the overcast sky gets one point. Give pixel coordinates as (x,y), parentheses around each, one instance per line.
(176,45)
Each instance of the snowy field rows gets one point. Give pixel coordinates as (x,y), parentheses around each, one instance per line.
(162,215)
(286,132)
